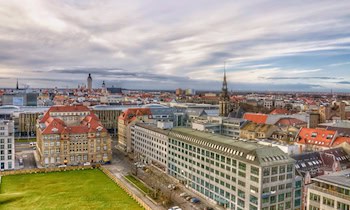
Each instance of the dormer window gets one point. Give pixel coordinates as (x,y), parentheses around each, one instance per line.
(314,134)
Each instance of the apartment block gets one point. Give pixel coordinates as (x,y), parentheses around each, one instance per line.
(7,145)
(330,192)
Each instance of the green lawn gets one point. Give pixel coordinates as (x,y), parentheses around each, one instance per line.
(83,189)
(24,140)
(139,184)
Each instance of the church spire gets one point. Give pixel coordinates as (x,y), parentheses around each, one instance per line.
(224,103)
(17,86)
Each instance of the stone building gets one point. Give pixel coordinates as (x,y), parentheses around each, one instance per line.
(72,135)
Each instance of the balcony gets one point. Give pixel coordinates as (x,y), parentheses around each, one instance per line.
(331,192)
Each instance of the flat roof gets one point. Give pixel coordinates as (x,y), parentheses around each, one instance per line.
(248,150)
(153,127)
(341,178)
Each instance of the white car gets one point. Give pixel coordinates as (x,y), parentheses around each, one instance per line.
(183,194)
(175,208)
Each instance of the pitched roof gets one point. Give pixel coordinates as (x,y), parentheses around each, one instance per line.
(316,136)
(280,111)
(129,114)
(256,117)
(290,122)
(53,125)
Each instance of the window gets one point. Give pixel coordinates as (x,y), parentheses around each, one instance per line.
(254,170)
(328,202)
(254,179)
(314,197)
(242,166)
(274,170)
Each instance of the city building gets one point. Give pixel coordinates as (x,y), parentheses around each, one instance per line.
(224,103)
(71,135)
(330,192)
(126,119)
(231,173)
(150,144)
(252,130)
(7,145)
(220,125)
(109,117)
(89,82)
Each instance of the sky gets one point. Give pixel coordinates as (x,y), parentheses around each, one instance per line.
(297,45)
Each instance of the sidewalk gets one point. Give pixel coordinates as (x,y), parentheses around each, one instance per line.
(116,172)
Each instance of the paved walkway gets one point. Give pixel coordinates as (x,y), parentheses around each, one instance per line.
(118,172)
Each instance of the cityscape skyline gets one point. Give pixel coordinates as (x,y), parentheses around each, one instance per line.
(289,46)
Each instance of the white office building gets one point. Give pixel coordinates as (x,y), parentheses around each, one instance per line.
(7,145)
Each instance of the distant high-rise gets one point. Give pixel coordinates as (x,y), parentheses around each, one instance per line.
(89,82)
(224,103)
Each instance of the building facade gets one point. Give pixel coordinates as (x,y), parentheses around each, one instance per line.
(150,144)
(72,135)
(7,145)
(330,192)
(234,174)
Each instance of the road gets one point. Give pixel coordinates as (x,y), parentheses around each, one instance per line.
(25,152)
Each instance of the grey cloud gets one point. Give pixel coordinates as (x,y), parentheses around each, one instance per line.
(300,78)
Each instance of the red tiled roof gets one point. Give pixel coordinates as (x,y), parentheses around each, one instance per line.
(128,114)
(340,140)
(256,117)
(319,137)
(57,126)
(290,122)
(280,111)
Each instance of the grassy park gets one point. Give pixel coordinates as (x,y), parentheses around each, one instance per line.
(81,189)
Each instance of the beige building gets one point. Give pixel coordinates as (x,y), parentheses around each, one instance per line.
(72,135)
(330,192)
(128,118)
(253,130)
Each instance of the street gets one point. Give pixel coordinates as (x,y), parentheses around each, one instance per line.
(24,156)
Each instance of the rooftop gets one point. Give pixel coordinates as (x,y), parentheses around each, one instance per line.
(246,150)
(153,127)
(341,178)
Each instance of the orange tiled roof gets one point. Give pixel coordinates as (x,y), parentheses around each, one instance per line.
(290,122)
(256,117)
(57,126)
(317,136)
(279,111)
(340,140)
(130,113)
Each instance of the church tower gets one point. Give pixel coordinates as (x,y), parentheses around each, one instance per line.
(224,103)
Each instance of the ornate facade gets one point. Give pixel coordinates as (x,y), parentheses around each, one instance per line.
(224,103)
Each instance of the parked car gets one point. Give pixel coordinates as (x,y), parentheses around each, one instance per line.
(175,208)
(62,166)
(183,194)
(188,198)
(32,143)
(195,200)
(208,208)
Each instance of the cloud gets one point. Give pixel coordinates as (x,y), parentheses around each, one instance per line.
(173,43)
(301,78)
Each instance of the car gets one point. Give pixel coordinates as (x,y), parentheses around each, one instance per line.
(208,208)
(62,166)
(188,198)
(32,143)
(183,194)
(87,164)
(175,208)
(195,200)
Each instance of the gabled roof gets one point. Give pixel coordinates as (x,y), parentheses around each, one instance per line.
(316,136)
(279,111)
(130,113)
(256,117)
(53,125)
(290,122)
